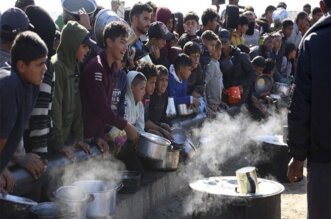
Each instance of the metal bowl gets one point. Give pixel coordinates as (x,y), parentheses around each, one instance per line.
(73,6)
(263,84)
(14,206)
(153,146)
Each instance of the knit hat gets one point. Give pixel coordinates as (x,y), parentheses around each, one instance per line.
(164,14)
(158,29)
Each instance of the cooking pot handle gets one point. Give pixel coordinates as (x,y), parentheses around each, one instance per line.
(119,187)
(90,198)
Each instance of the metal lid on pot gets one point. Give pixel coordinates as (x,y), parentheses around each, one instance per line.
(96,186)
(70,193)
(73,6)
(271,139)
(155,138)
(226,186)
(17,199)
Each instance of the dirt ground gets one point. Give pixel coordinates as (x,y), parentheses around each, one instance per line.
(293,203)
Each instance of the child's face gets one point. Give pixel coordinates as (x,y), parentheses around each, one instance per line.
(117,48)
(162,84)
(293,54)
(81,52)
(160,43)
(34,71)
(150,86)
(195,57)
(217,53)
(138,91)
(191,27)
(258,70)
(211,45)
(185,72)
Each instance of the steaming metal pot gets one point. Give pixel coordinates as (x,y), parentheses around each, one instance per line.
(153,146)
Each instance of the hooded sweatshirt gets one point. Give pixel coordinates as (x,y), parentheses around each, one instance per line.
(66,111)
(134,112)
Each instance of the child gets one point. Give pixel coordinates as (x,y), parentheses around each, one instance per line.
(196,80)
(66,111)
(179,73)
(149,71)
(191,26)
(209,40)
(159,99)
(288,59)
(214,80)
(134,109)
(19,88)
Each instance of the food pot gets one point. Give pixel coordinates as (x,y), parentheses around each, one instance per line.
(185,110)
(131,181)
(221,200)
(170,162)
(12,206)
(74,198)
(103,196)
(152,146)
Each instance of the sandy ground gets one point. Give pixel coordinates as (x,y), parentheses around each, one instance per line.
(293,203)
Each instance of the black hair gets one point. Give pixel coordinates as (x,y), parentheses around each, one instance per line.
(328,3)
(180,20)
(302,15)
(191,16)
(316,10)
(244,48)
(137,80)
(147,69)
(139,8)
(113,30)
(22,4)
(191,48)
(127,16)
(161,70)
(152,5)
(289,47)
(307,6)
(287,22)
(208,15)
(182,60)
(243,20)
(269,66)
(27,47)
(269,8)
(209,35)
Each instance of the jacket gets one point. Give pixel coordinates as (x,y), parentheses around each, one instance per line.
(309,119)
(214,83)
(178,88)
(134,112)
(102,92)
(66,109)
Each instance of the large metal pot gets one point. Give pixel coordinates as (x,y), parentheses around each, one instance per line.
(74,198)
(103,18)
(170,162)
(103,195)
(221,200)
(73,6)
(14,206)
(51,210)
(153,146)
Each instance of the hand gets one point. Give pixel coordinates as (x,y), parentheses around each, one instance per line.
(167,135)
(7,181)
(33,164)
(69,152)
(102,144)
(86,148)
(154,51)
(132,133)
(131,54)
(295,170)
(166,127)
(84,19)
(196,102)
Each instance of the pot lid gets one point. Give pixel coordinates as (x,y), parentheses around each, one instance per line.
(17,199)
(96,186)
(271,139)
(226,186)
(70,193)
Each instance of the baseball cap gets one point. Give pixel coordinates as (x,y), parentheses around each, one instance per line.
(158,29)
(14,20)
(224,35)
(89,41)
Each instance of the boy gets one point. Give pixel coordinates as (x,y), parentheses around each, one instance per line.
(179,73)
(196,80)
(214,80)
(103,87)
(66,111)
(209,40)
(149,71)
(159,99)
(191,26)
(237,36)
(19,89)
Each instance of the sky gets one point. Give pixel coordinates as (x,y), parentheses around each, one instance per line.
(54,6)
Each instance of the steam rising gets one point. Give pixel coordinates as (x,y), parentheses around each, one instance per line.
(224,143)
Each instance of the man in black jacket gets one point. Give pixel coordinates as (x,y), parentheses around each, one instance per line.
(309,119)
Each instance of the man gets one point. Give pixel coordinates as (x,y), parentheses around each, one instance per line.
(309,119)
(209,20)
(140,18)
(237,35)
(252,35)
(307,8)
(316,15)
(19,88)
(301,25)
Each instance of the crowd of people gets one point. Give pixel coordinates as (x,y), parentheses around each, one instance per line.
(62,88)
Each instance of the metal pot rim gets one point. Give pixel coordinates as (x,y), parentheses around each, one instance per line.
(154,138)
(114,187)
(17,199)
